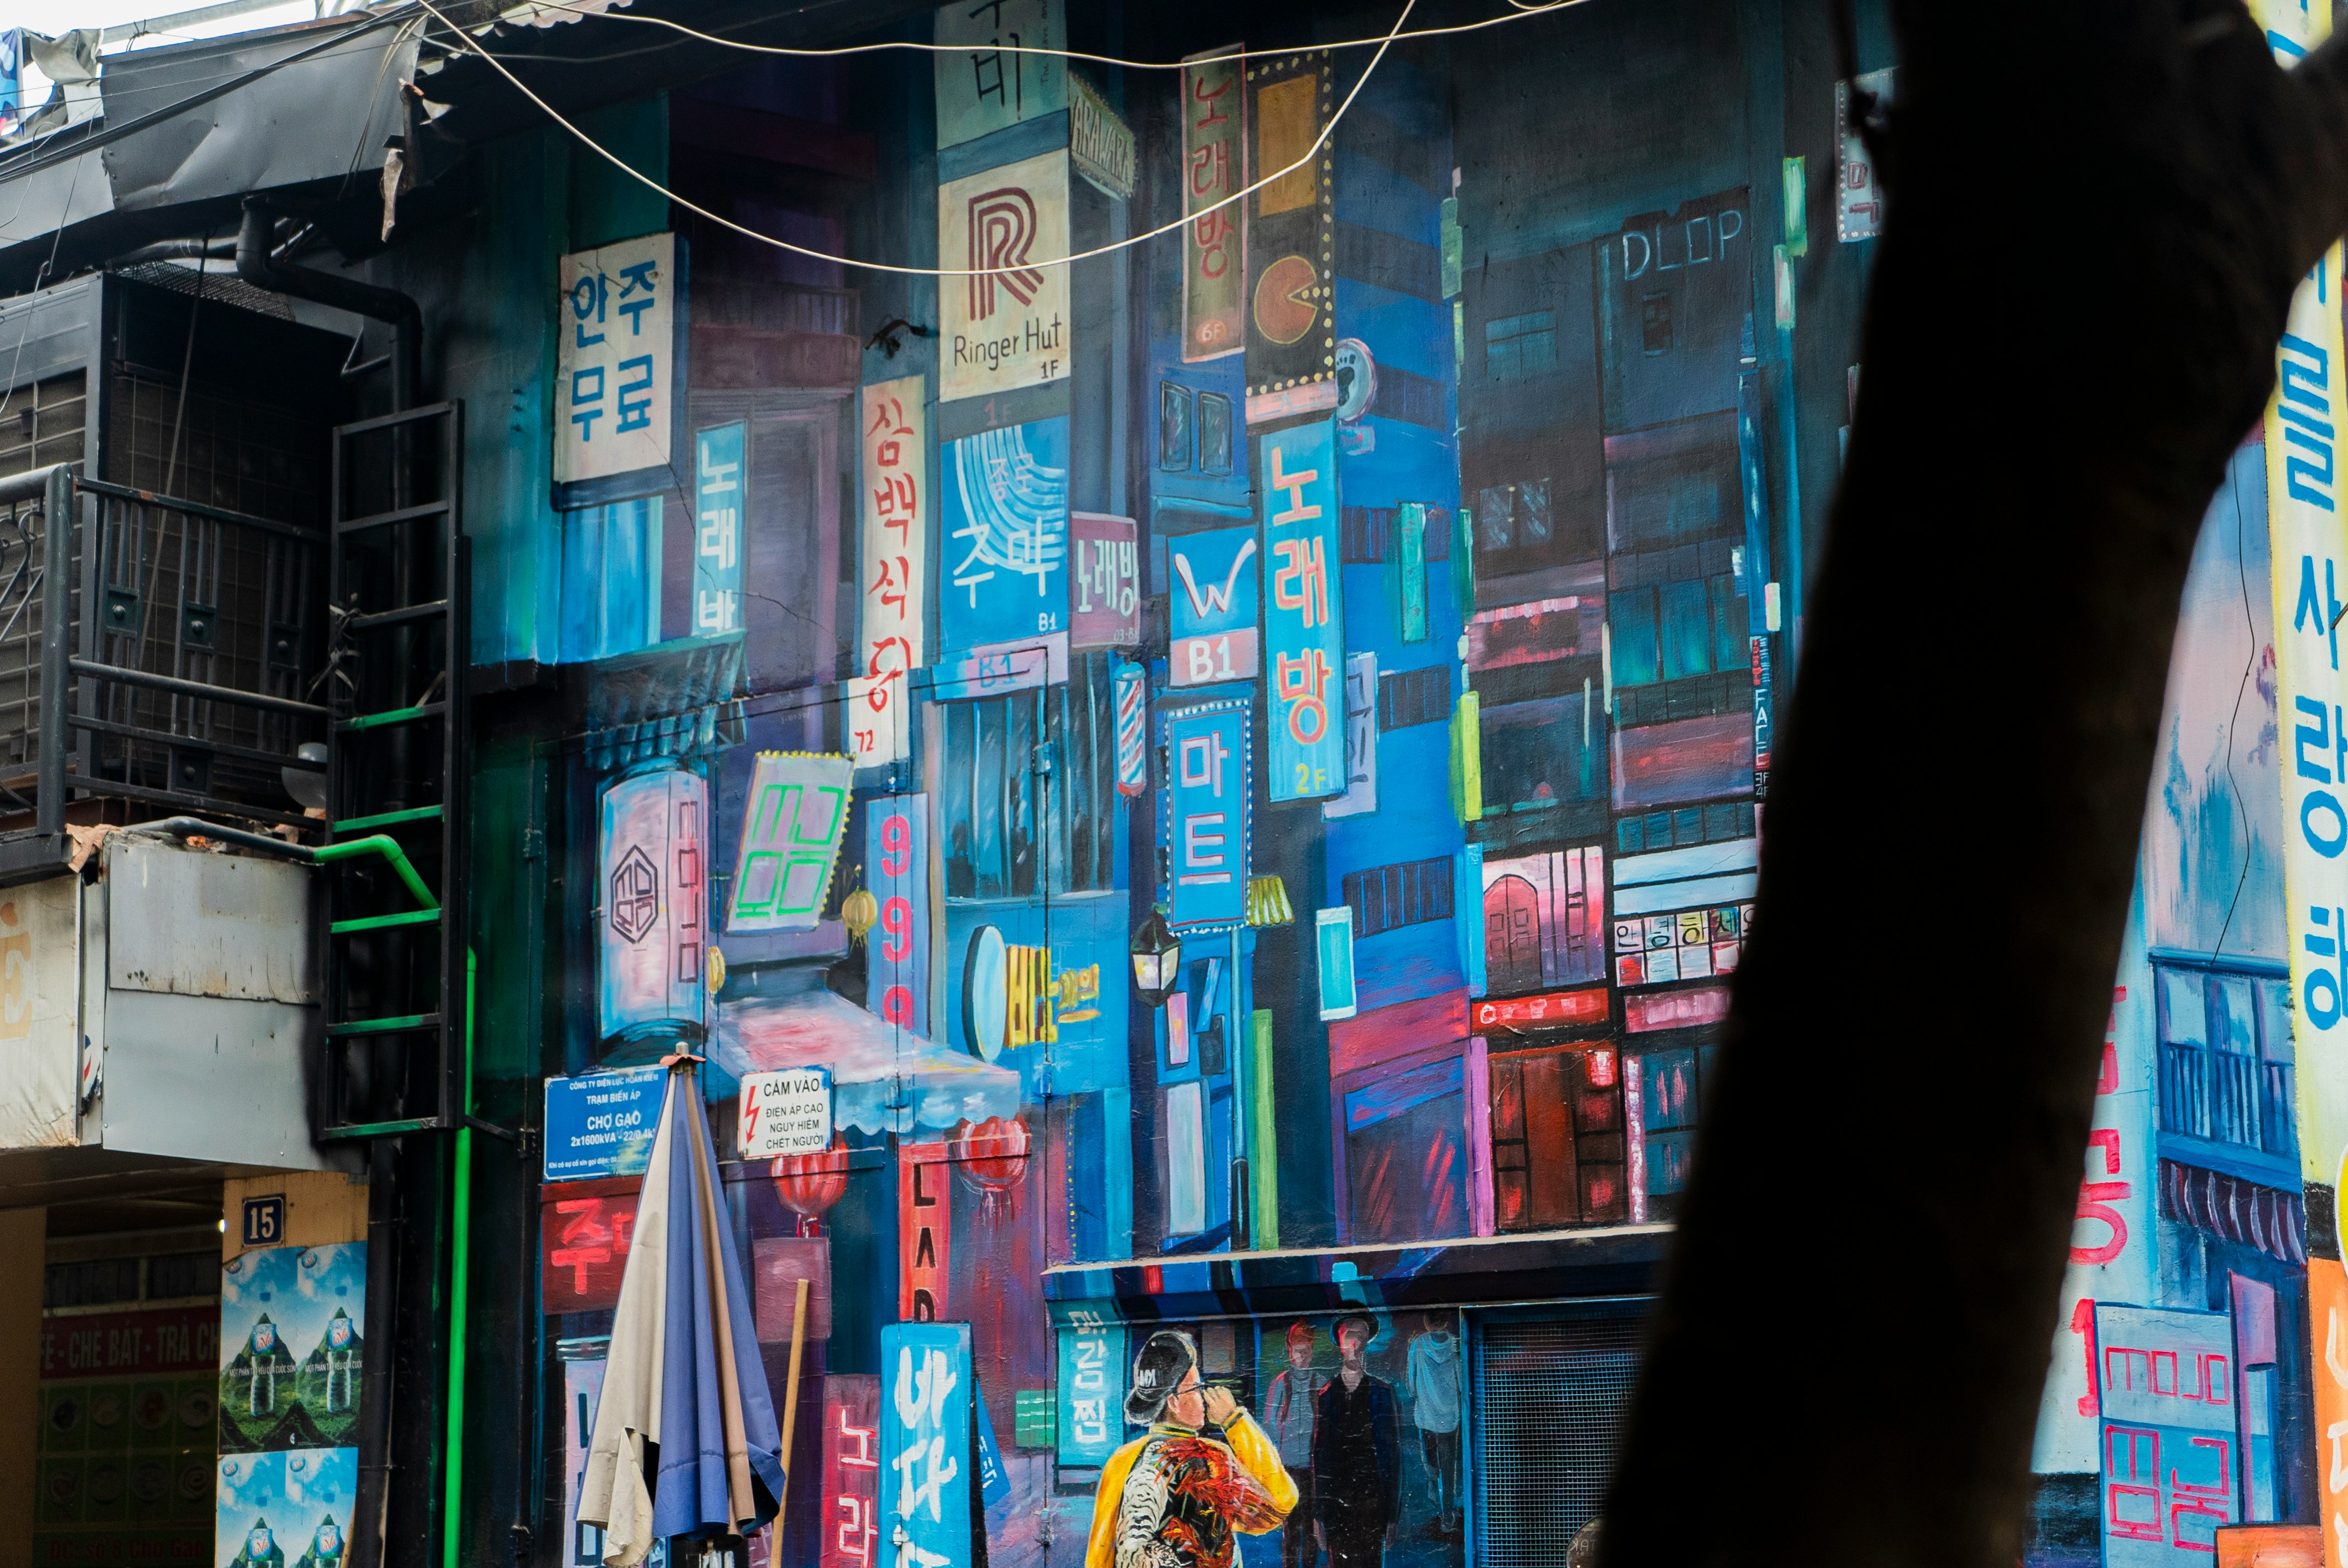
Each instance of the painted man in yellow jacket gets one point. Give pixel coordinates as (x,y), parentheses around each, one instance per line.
(1173,1497)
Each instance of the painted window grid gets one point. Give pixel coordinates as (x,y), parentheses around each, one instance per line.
(1407,893)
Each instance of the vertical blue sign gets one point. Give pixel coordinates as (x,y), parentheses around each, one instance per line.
(1206,826)
(718,454)
(1304,615)
(1333,929)
(897,870)
(1092,1418)
(994,1481)
(926,1462)
(1005,517)
(1211,607)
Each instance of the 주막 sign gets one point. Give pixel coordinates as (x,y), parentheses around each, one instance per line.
(1304,619)
(612,361)
(785,1113)
(1206,821)
(895,504)
(1006,531)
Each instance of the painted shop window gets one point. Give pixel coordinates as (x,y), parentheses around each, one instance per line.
(1670,1094)
(990,779)
(1557,1145)
(1406,1155)
(1543,755)
(1544,921)
(1517,347)
(1406,893)
(1408,697)
(1194,430)
(1514,516)
(1683,825)
(1368,534)
(2226,1068)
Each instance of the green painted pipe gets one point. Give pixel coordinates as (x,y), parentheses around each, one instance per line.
(460,1293)
(381,843)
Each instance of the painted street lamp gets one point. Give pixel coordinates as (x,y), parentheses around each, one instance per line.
(1156,958)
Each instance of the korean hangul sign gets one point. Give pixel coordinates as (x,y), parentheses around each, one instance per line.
(1214,167)
(851,1471)
(1005,323)
(927,1466)
(719,512)
(792,823)
(2166,1387)
(2309,551)
(985,78)
(1092,1391)
(611,402)
(1006,535)
(1303,625)
(1105,584)
(1206,830)
(1361,739)
(894,566)
(897,870)
(1211,607)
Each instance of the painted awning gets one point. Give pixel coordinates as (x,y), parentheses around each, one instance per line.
(884,1077)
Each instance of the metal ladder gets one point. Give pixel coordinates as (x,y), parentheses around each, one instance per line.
(398,972)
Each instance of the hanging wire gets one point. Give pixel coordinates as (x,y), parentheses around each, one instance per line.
(617,162)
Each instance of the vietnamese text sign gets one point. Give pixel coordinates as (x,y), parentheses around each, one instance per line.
(1006,535)
(1207,817)
(1004,325)
(1214,167)
(785,1113)
(895,566)
(1211,607)
(612,363)
(717,456)
(602,1123)
(1303,624)
(792,823)
(897,869)
(1105,584)
(926,1463)
(986,78)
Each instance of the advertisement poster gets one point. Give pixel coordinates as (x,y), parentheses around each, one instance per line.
(1006,326)
(1291,340)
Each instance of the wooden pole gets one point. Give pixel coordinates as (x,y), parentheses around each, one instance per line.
(791,1404)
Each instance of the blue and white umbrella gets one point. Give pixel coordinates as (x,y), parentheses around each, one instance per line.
(685,1441)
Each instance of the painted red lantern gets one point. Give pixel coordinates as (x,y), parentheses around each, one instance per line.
(810,1183)
(992,1156)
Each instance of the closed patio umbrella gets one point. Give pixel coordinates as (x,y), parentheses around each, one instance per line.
(685,1441)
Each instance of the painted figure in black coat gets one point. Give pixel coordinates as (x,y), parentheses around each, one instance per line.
(1356,1457)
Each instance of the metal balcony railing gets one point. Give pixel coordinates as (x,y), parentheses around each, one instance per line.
(172,666)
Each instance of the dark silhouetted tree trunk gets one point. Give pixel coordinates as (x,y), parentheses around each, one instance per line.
(2098,210)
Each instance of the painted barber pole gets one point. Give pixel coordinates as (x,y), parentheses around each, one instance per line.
(1130,688)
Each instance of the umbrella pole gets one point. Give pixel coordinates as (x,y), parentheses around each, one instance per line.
(791,1400)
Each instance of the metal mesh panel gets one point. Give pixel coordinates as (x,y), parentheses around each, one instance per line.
(1551,1397)
(40,423)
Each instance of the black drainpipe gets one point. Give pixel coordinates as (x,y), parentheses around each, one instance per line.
(257,267)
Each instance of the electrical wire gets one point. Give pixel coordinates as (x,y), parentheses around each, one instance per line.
(1523,10)
(1024,265)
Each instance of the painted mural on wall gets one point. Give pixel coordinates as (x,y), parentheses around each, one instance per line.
(1279,814)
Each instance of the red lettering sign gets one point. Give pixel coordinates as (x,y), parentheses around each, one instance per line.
(851,1469)
(112,1344)
(1553,1009)
(584,1230)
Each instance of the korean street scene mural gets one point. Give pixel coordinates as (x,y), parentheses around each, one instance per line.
(1202,805)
